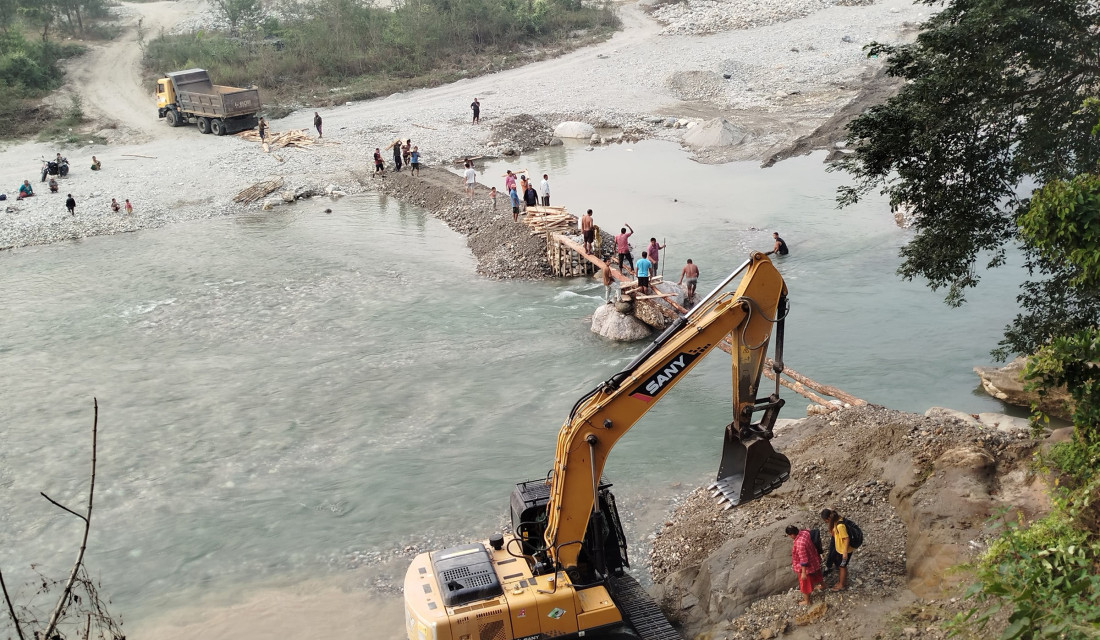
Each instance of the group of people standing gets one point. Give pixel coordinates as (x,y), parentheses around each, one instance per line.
(806,554)
(519,184)
(405,154)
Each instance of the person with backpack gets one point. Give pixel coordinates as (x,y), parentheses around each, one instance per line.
(806,562)
(846,538)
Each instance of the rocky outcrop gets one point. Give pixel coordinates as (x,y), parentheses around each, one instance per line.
(613,325)
(1004,383)
(921,488)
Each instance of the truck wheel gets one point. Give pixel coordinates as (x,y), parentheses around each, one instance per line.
(217,127)
(204,125)
(172,118)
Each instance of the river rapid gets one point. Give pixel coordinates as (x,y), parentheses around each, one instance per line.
(293,402)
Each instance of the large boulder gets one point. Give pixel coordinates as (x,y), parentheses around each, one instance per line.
(574,129)
(718,132)
(613,325)
(1004,383)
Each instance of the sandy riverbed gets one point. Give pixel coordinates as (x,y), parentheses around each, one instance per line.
(784,79)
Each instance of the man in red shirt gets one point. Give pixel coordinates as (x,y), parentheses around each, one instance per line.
(805,561)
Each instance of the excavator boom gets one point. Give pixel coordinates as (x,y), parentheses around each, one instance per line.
(560,572)
(749,469)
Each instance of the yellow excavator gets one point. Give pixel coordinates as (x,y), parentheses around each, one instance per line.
(560,572)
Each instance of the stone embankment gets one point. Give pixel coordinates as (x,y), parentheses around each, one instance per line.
(922,488)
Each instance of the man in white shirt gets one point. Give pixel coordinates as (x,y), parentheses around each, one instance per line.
(544,190)
(471,178)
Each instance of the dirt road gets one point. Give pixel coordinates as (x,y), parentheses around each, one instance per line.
(109,80)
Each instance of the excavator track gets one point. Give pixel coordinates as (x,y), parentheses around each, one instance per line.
(640,610)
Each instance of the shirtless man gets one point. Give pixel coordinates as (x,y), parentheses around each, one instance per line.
(691,272)
(588,230)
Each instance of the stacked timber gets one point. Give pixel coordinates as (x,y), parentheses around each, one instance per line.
(293,138)
(550,220)
(257,191)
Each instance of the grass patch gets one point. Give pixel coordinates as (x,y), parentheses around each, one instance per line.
(370,52)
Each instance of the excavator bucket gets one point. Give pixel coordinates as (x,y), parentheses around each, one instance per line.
(750,468)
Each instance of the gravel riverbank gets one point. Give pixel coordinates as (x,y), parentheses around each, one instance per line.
(774,82)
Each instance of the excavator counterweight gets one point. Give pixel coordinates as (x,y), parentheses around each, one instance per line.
(560,571)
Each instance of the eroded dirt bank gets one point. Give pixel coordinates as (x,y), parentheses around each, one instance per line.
(921,488)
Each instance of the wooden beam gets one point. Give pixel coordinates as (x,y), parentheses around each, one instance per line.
(818,387)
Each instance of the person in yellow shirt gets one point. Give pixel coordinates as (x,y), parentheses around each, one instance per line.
(840,546)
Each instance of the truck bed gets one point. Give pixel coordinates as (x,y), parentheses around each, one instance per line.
(218,101)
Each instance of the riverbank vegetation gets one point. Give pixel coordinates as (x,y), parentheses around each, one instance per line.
(321,52)
(995,102)
(31,55)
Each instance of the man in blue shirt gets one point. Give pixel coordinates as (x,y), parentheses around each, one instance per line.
(642,269)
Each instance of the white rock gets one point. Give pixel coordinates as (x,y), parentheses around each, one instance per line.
(574,129)
(718,132)
(611,324)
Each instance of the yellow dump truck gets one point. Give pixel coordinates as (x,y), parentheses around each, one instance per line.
(188,97)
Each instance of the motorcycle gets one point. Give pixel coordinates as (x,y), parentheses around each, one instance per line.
(55,168)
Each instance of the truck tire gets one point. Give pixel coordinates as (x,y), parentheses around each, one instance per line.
(217,127)
(172,118)
(204,125)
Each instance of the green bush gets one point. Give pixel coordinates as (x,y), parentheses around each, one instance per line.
(326,42)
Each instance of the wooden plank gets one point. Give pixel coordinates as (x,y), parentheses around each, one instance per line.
(650,297)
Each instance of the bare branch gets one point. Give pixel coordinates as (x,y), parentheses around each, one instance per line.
(11,609)
(61,506)
(61,602)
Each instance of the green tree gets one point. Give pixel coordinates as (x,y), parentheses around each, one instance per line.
(239,12)
(993,100)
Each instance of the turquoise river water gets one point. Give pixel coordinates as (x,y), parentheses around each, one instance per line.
(292,401)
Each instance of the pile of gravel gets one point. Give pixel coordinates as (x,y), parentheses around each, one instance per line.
(693,17)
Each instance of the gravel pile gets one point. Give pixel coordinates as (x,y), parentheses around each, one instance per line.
(694,17)
(504,249)
(837,462)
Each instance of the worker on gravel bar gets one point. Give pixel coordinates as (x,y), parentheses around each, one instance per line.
(70,204)
(379,164)
(263,130)
(476,106)
(317,124)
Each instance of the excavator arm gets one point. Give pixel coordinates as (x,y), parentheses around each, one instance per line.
(749,468)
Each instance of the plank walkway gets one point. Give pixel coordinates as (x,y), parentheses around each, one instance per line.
(618,275)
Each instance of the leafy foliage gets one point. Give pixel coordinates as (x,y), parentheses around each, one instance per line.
(993,97)
(326,42)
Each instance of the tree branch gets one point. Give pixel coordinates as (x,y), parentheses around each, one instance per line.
(60,608)
(11,609)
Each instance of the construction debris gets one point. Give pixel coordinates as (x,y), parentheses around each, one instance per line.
(293,138)
(550,219)
(257,191)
